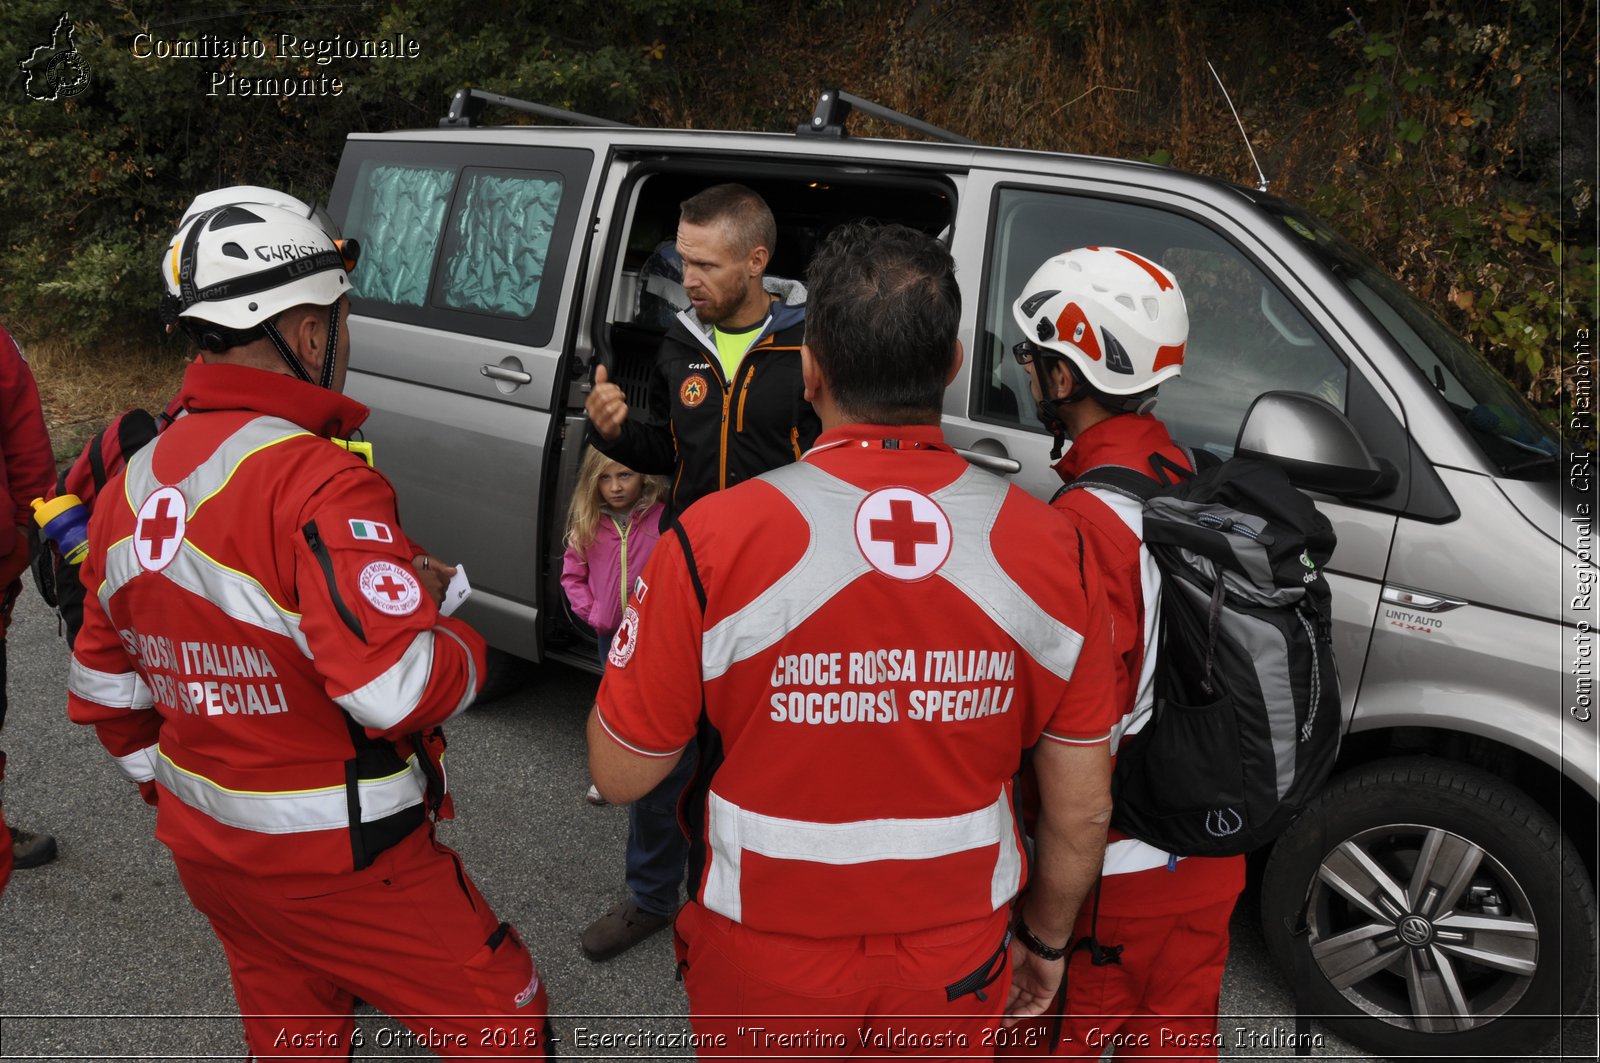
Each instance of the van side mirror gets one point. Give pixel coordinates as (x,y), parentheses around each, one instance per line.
(1314,443)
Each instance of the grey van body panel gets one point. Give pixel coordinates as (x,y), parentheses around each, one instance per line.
(1469,558)
(496,453)
(1511,684)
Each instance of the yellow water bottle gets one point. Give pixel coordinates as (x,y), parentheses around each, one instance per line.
(65,522)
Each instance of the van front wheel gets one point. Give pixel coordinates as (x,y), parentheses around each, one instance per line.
(1428,909)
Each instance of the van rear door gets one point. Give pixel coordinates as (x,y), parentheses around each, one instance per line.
(461,304)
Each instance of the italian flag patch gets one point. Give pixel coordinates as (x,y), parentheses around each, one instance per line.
(374,530)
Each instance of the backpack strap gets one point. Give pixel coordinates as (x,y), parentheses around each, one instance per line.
(1119,479)
(688,559)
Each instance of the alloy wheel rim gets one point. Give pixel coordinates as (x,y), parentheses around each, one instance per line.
(1422,928)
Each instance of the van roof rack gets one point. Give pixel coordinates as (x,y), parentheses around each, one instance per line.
(835,105)
(466,110)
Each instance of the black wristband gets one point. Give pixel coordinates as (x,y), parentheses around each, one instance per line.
(1031,942)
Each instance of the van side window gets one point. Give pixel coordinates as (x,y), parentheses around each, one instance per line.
(498,241)
(399,212)
(1245,335)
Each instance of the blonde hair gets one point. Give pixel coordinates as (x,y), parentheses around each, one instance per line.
(583,517)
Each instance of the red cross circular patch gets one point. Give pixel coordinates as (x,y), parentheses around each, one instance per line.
(903,533)
(391,588)
(623,641)
(163,518)
(694,391)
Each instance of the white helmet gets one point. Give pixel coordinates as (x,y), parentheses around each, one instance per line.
(1116,316)
(240,265)
(222,197)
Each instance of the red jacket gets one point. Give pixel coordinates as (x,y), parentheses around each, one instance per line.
(27,467)
(255,644)
(886,629)
(1138,878)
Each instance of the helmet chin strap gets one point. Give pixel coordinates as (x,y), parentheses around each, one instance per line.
(1048,409)
(292,360)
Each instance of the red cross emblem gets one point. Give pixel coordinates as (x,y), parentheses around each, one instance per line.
(390,588)
(902,533)
(160,527)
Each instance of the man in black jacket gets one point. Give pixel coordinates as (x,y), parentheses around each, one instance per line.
(728,404)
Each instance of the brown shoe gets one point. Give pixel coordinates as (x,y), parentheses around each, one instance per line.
(31,850)
(619,930)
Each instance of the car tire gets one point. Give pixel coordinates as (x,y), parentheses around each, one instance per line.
(506,674)
(1476,958)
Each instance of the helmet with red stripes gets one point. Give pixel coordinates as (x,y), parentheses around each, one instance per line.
(1115,315)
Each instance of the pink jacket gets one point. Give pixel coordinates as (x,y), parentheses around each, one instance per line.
(595,583)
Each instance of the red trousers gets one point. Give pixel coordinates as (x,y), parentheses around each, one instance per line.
(1162,999)
(410,935)
(758,995)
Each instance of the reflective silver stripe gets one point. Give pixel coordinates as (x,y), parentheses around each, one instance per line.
(471,693)
(396,693)
(1129,855)
(295,811)
(833,559)
(973,503)
(213,474)
(114,690)
(237,594)
(734,831)
(139,766)
(240,596)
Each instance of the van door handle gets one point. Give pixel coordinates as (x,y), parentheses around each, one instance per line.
(510,376)
(1422,601)
(997,463)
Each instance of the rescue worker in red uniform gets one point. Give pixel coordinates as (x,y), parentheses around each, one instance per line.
(725,405)
(1104,327)
(26,471)
(877,633)
(262,653)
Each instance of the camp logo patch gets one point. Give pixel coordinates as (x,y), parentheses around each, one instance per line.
(163,518)
(390,588)
(623,642)
(693,391)
(373,530)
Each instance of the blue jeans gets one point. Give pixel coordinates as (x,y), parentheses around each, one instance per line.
(657,849)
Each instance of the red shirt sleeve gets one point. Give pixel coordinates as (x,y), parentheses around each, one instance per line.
(385,654)
(650,698)
(1090,703)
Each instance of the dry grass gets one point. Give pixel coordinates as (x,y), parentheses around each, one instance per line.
(83,389)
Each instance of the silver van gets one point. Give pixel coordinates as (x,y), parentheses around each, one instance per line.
(1433,902)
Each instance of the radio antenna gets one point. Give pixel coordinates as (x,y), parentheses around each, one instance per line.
(1262,187)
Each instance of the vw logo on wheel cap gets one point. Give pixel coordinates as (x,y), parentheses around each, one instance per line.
(1416,931)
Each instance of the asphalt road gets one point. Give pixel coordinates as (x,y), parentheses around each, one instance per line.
(102,956)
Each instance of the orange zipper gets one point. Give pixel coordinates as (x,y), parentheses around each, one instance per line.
(744,394)
(722,475)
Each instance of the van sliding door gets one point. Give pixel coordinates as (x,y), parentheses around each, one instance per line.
(460,304)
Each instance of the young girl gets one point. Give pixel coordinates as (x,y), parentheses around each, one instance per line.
(612,526)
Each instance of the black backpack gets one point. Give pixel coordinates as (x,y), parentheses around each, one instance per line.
(1245,726)
(101,458)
